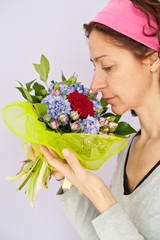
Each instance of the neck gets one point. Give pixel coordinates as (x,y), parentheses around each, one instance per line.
(149,118)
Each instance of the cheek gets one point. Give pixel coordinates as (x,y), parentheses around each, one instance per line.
(126,91)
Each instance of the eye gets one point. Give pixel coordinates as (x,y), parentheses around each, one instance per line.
(106,68)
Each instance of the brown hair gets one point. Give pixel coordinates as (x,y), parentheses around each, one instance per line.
(138,49)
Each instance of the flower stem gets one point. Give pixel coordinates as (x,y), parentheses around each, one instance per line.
(29,173)
(40,178)
(33,182)
(22,172)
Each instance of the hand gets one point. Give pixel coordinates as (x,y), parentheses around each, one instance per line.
(87,182)
(55,174)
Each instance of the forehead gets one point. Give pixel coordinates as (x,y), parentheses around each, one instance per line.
(100,43)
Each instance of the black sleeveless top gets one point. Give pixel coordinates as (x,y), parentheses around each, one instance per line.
(125,184)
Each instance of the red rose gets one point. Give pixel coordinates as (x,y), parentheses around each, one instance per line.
(81,103)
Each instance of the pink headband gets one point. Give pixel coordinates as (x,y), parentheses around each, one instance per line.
(124,17)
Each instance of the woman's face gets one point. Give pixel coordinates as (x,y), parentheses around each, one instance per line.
(118,74)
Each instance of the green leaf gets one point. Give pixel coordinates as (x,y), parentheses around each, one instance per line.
(22,92)
(124,129)
(53,82)
(63,78)
(28,85)
(43,68)
(72,79)
(41,108)
(104,111)
(103,102)
(108,115)
(28,96)
(37,67)
(37,88)
(34,99)
(117,118)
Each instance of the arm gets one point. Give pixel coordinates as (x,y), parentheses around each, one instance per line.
(96,214)
(80,211)
(115,224)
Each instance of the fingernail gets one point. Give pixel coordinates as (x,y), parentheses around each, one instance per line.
(65,152)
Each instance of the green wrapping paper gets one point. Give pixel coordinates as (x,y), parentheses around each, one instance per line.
(92,150)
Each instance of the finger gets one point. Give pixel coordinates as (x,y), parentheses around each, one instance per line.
(53,153)
(58,164)
(57,175)
(72,160)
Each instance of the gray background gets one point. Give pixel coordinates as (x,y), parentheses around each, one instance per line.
(27,30)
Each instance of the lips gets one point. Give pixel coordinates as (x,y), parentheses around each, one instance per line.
(109,99)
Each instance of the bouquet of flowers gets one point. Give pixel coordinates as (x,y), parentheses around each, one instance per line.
(63,115)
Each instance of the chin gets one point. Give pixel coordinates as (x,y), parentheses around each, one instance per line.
(117,111)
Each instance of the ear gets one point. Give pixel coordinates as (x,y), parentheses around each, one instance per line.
(153,62)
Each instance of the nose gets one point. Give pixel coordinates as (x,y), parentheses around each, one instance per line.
(98,84)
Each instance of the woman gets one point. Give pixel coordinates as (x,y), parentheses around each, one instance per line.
(127,73)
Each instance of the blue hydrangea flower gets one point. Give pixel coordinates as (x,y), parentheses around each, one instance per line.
(56,105)
(96,105)
(51,87)
(63,88)
(81,89)
(89,125)
(71,88)
(97,115)
(67,89)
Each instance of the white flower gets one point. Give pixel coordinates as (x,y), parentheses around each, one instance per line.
(54,124)
(55,92)
(74,115)
(63,118)
(105,130)
(103,121)
(74,126)
(111,134)
(102,133)
(113,125)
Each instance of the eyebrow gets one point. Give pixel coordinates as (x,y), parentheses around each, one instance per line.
(97,58)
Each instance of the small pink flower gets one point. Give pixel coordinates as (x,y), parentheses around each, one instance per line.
(74,126)
(111,134)
(113,125)
(74,115)
(46,118)
(87,90)
(95,96)
(105,130)
(102,133)
(103,121)
(54,124)
(55,92)
(63,118)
